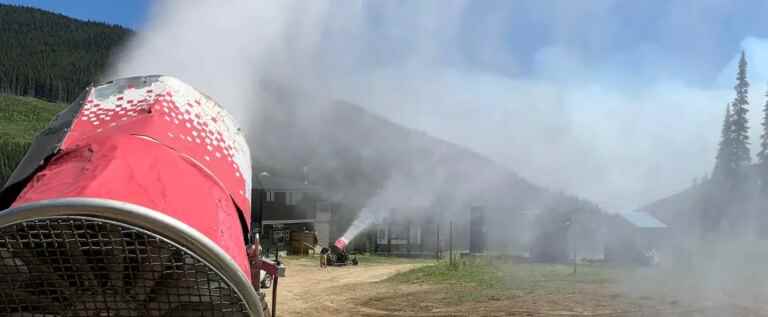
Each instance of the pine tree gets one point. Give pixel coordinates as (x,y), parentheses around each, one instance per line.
(762,156)
(740,124)
(724,165)
(711,203)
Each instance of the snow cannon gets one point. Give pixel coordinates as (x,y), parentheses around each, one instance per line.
(134,201)
(338,255)
(341,244)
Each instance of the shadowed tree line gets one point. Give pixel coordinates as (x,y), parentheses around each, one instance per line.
(51,56)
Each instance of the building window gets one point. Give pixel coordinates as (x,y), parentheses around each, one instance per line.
(324,207)
(292,198)
(381,236)
(398,233)
(270,196)
(415,237)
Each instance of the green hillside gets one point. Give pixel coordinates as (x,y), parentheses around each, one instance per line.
(52,56)
(21,118)
(48,56)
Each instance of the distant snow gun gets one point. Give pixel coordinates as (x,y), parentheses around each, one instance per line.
(341,244)
(338,254)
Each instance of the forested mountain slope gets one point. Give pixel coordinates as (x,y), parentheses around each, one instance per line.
(52,56)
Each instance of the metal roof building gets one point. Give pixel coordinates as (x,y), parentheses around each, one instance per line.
(642,220)
(282,184)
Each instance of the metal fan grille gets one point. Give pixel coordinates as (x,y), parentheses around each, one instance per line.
(69,266)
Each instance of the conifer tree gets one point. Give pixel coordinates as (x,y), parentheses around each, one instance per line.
(724,164)
(739,121)
(762,156)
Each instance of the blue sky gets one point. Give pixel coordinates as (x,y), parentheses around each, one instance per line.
(130,13)
(693,41)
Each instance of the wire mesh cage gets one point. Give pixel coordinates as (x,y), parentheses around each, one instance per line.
(81,266)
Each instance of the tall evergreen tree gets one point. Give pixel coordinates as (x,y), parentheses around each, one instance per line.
(739,121)
(724,162)
(716,194)
(762,156)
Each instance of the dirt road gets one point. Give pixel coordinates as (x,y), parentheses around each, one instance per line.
(307,290)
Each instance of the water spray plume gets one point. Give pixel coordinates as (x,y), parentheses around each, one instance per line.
(363,220)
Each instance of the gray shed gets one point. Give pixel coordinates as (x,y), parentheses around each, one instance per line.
(634,237)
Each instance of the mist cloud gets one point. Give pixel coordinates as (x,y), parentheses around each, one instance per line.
(566,103)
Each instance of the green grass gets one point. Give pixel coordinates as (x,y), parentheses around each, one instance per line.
(482,275)
(481,279)
(462,283)
(367,259)
(528,278)
(21,118)
(11,153)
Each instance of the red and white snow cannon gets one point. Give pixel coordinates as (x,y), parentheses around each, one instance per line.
(135,201)
(341,244)
(338,254)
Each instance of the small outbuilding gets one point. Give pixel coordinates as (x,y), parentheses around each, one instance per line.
(634,238)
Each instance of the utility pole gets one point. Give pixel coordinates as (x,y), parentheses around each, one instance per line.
(389,238)
(450,243)
(437,242)
(408,238)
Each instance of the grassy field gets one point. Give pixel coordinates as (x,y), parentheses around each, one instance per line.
(483,287)
(21,118)
(366,259)
(481,280)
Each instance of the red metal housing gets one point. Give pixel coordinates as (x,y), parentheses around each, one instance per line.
(149,147)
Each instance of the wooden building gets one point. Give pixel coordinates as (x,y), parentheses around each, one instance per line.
(418,232)
(290,211)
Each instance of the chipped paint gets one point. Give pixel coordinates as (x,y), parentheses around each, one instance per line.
(181,111)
